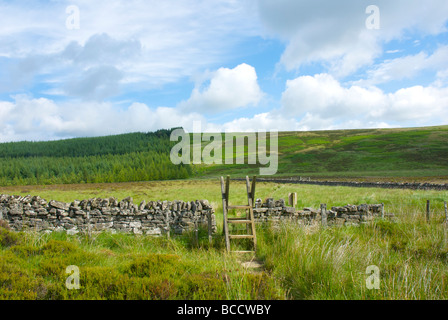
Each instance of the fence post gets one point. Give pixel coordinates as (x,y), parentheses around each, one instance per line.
(89,232)
(382,210)
(445,222)
(292,199)
(168,223)
(428,214)
(196,231)
(209,218)
(446,213)
(323,214)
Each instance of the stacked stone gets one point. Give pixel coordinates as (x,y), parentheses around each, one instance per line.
(276,210)
(272,210)
(354,214)
(390,185)
(97,214)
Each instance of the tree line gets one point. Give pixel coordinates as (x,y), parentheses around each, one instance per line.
(119,158)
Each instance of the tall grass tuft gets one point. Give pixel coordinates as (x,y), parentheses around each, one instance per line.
(331,263)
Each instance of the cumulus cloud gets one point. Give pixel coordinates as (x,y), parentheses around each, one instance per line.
(155,42)
(407,67)
(321,98)
(141,46)
(101,48)
(324,95)
(263,121)
(28,118)
(96,83)
(91,71)
(225,89)
(334,32)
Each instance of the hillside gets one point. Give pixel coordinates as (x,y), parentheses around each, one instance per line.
(117,158)
(409,152)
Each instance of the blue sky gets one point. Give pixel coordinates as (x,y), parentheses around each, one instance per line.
(91,68)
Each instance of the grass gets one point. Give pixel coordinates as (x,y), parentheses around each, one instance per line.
(119,266)
(300,263)
(331,263)
(406,152)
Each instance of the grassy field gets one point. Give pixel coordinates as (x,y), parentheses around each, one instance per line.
(299,263)
(417,154)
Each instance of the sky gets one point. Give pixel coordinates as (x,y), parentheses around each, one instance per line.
(94,68)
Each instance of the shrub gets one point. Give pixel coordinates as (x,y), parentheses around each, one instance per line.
(202,286)
(261,286)
(25,251)
(155,264)
(18,283)
(58,247)
(152,289)
(4,224)
(8,238)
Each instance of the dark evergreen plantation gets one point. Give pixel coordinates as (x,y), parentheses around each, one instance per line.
(117,158)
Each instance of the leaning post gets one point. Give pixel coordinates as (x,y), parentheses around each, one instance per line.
(209,218)
(323,214)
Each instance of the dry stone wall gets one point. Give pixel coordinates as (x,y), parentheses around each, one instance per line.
(158,217)
(276,210)
(388,185)
(92,215)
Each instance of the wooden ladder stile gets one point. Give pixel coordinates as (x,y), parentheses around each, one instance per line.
(248,219)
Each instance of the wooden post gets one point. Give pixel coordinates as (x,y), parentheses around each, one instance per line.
(428,214)
(323,214)
(250,214)
(446,222)
(382,210)
(209,218)
(252,190)
(196,231)
(225,198)
(89,232)
(292,199)
(446,213)
(167,224)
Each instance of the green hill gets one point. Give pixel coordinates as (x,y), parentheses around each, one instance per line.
(117,158)
(408,152)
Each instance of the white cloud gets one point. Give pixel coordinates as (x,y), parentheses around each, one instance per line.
(143,45)
(324,95)
(407,67)
(27,118)
(323,98)
(264,121)
(101,48)
(334,32)
(153,42)
(227,89)
(96,83)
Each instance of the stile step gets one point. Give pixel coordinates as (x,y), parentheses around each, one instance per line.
(241,236)
(238,207)
(243,251)
(238,221)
